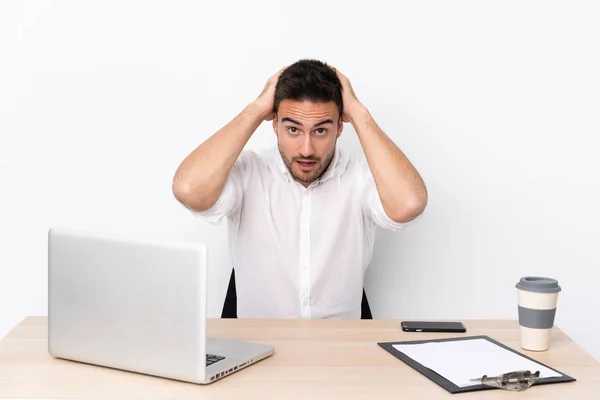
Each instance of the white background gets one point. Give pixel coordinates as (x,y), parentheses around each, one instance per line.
(496,103)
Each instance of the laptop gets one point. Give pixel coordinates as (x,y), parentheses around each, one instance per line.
(137,305)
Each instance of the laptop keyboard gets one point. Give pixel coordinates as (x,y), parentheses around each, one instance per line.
(211,359)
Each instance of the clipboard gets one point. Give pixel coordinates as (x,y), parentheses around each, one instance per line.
(450,386)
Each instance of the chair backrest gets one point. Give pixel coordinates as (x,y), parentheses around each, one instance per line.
(230,304)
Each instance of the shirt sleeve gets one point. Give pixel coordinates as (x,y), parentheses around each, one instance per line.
(371,202)
(230,200)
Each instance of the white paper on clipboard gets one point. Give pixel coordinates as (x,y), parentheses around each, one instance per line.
(462,360)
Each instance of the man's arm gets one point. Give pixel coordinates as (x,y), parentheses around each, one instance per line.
(200,178)
(401,189)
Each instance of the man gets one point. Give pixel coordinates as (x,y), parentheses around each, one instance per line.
(302,219)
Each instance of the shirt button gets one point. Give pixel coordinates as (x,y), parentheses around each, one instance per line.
(304,266)
(305,302)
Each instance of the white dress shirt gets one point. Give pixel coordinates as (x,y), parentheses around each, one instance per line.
(299,252)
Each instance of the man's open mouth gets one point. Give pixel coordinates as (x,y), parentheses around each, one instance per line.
(306,165)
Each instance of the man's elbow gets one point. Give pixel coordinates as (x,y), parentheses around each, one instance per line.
(409,210)
(190,198)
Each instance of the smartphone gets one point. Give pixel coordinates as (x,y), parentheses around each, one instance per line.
(432,326)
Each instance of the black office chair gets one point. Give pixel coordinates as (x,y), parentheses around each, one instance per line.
(230,304)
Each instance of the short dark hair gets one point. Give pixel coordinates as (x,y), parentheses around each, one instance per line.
(309,80)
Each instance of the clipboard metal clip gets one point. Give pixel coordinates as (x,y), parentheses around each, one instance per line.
(514,381)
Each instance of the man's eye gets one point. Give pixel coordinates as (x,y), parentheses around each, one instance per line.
(321,131)
(292,129)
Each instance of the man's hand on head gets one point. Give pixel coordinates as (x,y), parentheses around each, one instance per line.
(266,99)
(351,102)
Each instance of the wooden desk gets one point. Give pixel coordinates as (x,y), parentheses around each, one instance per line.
(313,359)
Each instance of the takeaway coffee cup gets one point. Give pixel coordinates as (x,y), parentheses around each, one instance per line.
(537,307)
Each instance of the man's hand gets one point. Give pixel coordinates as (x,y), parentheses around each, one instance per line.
(351,103)
(266,99)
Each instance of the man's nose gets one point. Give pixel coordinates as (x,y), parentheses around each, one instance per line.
(308,149)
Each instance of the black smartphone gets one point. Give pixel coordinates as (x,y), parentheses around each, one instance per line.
(432,326)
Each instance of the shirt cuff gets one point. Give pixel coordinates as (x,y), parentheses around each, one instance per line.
(379,215)
(222,206)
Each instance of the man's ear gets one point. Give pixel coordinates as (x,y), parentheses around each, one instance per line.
(275,124)
(340,126)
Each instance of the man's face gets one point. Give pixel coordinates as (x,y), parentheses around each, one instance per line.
(306,136)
